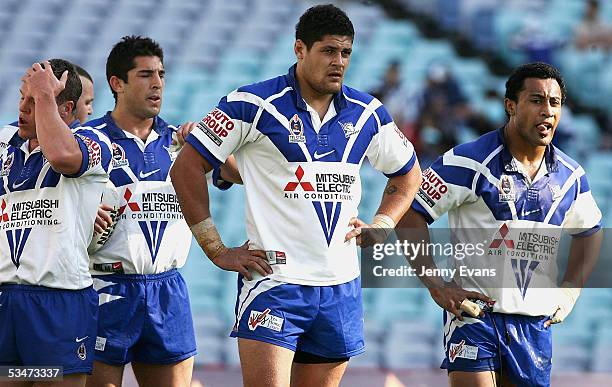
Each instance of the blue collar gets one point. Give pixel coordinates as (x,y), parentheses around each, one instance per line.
(115,132)
(339,99)
(74,124)
(509,164)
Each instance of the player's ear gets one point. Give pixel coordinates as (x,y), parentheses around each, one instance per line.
(510,106)
(299,48)
(116,84)
(66,109)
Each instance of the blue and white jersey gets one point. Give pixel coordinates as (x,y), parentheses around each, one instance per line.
(151,235)
(46,218)
(490,200)
(300,173)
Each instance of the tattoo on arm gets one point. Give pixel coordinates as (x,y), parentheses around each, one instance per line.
(390,189)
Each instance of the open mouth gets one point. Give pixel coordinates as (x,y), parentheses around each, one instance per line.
(544,128)
(154,98)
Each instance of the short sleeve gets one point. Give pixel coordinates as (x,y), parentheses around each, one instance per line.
(225,129)
(390,151)
(443,188)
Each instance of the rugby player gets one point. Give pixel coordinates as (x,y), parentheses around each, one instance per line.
(515,185)
(145,317)
(299,141)
(51,180)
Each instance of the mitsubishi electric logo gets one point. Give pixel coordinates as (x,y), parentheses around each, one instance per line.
(151,210)
(526,249)
(503,232)
(326,191)
(292,185)
(17,240)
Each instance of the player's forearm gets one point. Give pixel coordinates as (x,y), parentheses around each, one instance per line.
(189,181)
(412,229)
(399,193)
(55,138)
(583,256)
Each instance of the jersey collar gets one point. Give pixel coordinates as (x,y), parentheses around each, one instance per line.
(509,164)
(114,132)
(339,99)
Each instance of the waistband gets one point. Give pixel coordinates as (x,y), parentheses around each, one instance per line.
(139,277)
(36,288)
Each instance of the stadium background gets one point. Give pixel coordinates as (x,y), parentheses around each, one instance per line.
(213,46)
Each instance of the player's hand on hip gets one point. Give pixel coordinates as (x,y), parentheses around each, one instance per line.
(103,218)
(243,260)
(39,81)
(568,295)
(450,298)
(366,234)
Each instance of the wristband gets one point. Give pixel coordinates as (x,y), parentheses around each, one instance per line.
(208,238)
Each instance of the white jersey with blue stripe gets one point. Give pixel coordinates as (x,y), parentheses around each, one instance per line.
(490,200)
(300,173)
(151,235)
(46,218)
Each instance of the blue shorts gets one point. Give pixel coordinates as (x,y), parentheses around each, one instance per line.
(325,321)
(525,346)
(42,326)
(144,318)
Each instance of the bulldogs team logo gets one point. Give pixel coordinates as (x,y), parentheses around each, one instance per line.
(296,127)
(6,164)
(119,159)
(348,128)
(506,189)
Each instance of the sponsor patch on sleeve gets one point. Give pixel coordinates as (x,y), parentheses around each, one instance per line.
(216,126)
(94,152)
(433,187)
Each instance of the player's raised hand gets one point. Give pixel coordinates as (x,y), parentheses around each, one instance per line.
(39,80)
(242,260)
(451,296)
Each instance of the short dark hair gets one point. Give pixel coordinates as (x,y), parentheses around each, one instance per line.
(121,58)
(540,70)
(322,20)
(72,90)
(82,72)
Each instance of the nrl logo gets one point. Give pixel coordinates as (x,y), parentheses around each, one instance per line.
(348,129)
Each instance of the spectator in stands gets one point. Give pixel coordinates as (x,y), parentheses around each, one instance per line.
(592,31)
(399,100)
(443,111)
